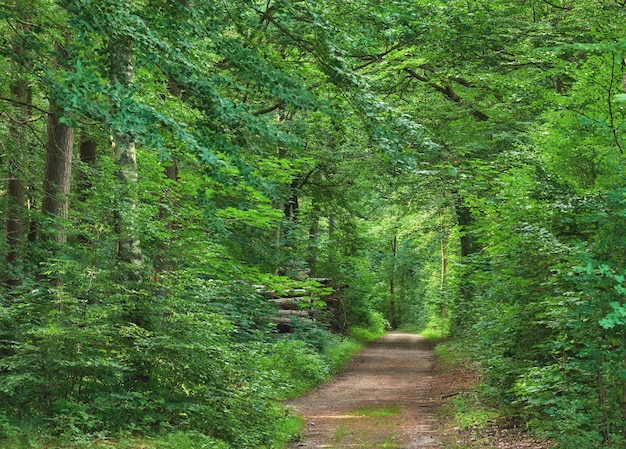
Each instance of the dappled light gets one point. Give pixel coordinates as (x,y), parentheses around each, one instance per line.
(210,208)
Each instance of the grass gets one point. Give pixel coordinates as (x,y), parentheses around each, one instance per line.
(341,433)
(378,412)
(364,336)
(468,412)
(175,440)
(436,329)
(290,429)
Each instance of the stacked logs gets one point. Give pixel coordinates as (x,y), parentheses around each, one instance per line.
(298,305)
(295,303)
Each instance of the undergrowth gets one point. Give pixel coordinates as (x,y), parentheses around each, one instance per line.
(468,409)
(240,410)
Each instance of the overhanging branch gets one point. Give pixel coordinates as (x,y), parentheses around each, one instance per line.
(448,92)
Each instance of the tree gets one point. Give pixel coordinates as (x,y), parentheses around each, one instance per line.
(58,167)
(16,185)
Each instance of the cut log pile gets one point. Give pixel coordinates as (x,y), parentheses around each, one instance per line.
(302,305)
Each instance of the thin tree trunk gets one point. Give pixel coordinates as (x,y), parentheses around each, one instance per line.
(332,226)
(16,190)
(292,207)
(314,235)
(444,266)
(161,263)
(392,283)
(16,196)
(15,226)
(468,247)
(125,155)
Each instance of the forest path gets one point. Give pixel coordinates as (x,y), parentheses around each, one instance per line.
(385,398)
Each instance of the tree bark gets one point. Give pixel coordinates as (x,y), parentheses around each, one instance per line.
(314,235)
(468,247)
(57,174)
(392,283)
(16,190)
(444,266)
(87,151)
(292,207)
(16,196)
(125,156)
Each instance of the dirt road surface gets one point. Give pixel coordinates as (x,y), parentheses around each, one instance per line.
(384,399)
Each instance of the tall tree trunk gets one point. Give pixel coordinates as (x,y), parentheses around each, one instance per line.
(161,262)
(292,207)
(16,197)
(465,220)
(444,265)
(87,154)
(125,155)
(314,235)
(468,247)
(87,150)
(57,174)
(16,189)
(392,282)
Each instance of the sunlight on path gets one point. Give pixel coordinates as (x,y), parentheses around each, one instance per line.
(382,400)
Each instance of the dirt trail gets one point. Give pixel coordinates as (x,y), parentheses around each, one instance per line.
(384,399)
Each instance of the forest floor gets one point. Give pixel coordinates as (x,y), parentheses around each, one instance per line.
(390,397)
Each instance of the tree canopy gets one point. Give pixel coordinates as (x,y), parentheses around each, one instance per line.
(173,169)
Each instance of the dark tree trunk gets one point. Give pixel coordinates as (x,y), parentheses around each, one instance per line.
(57,174)
(468,247)
(465,220)
(392,283)
(87,151)
(292,207)
(87,154)
(16,190)
(314,235)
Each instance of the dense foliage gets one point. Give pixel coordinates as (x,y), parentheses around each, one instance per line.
(178,147)
(526,100)
(172,166)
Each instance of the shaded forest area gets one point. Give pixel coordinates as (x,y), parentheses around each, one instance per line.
(172,169)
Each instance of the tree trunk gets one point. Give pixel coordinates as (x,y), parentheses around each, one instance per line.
(16,196)
(468,247)
(292,207)
(125,156)
(444,265)
(392,283)
(16,190)
(17,142)
(161,261)
(314,235)
(465,220)
(87,151)
(57,174)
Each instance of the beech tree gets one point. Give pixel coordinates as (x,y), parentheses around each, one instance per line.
(449,164)
(18,113)
(58,165)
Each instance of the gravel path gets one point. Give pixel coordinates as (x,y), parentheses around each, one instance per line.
(384,399)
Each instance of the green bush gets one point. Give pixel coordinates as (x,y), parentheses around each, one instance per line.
(294,367)
(136,361)
(189,440)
